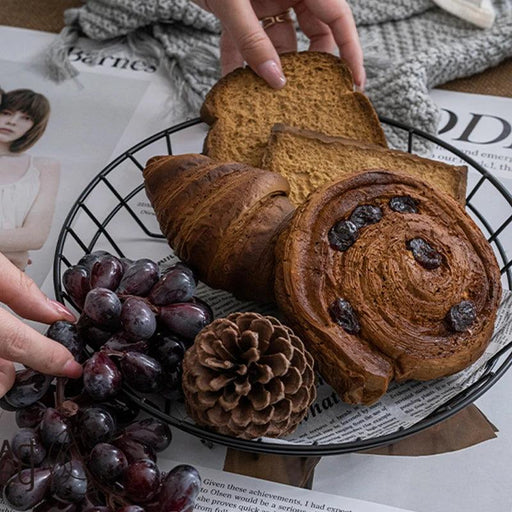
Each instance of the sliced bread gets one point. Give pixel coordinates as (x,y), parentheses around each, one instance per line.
(241,108)
(309,160)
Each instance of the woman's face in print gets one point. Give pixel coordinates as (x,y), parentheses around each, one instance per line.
(13,125)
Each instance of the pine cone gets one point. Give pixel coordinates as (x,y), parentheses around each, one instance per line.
(248,376)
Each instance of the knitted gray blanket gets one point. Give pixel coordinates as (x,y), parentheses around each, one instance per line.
(409,46)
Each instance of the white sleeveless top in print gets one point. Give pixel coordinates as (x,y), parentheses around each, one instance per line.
(17,198)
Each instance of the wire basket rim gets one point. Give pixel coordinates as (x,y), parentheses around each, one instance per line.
(446,410)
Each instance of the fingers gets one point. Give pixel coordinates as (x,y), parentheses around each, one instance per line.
(338,16)
(318,32)
(20,343)
(230,57)
(283,36)
(240,21)
(21,294)
(7,375)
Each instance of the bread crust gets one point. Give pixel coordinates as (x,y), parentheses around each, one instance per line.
(241,108)
(361,156)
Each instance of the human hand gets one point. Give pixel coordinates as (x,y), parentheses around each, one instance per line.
(19,342)
(19,258)
(327,23)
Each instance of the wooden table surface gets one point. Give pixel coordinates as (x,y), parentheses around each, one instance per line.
(47,15)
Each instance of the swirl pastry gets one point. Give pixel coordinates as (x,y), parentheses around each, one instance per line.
(385,278)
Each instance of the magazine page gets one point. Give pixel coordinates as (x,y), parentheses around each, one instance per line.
(481,127)
(77,126)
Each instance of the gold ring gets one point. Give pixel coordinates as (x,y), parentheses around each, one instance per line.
(282,17)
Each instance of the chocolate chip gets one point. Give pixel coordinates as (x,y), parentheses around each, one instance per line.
(342,235)
(403,204)
(365,215)
(462,315)
(342,313)
(424,253)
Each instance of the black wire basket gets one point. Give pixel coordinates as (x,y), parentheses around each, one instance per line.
(113,213)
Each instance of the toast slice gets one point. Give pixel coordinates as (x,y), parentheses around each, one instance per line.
(309,159)
(241,108)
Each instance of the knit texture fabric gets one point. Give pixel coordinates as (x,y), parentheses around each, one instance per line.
(409,47)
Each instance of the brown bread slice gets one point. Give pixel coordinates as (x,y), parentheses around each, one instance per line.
(309,160)
(241,108)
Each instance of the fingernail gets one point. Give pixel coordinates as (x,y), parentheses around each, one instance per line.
(72,369)
(272,74)
(62,310)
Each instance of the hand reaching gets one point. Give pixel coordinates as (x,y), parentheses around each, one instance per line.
(327,23)
(19,342)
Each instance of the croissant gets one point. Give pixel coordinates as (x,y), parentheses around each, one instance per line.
(384,278)
(221,218)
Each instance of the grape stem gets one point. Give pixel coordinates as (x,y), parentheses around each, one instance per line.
(60,392)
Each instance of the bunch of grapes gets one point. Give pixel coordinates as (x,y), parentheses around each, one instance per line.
(139,322)
(90,458)
(81,448)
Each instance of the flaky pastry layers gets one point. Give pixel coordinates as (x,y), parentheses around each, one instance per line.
(222,219)
(406,287)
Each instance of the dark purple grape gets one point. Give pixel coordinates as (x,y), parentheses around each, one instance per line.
(141,481)
(134,450)
(54,505)
(29,387)
(121,410)
(27,488)
(30,416)
(69,482)
(102,378)
(130,508)
(403,204)
(424,253)
(107,462)
(343,235)
(462,315)
(127,263)
(179,488)
(142,372)
(6,406)
(76,282)
(27,447)
(96,426)
(8,466)
(139,278)
(137,319)
(119,343)
(343,314)
(168,350)
(107,272)
(177,285)
(185,268)
(172,386)
(97,508)
(94,336)
(74,387)
(54,429)
(365,214)
(151,432)
(103,307)
(90,259)
(67,334)
(185,319)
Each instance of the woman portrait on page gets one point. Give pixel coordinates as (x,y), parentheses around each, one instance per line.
(28,184)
